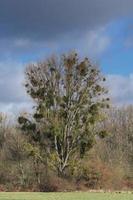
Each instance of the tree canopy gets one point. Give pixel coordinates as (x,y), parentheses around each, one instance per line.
(70,97)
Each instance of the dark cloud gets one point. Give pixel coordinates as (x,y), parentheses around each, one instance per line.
(49,19)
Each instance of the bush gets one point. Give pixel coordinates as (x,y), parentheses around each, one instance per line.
(48,187)
(94,174)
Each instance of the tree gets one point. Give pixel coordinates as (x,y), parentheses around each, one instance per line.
(15,153)
(4,128)
(70,97)
(117,148)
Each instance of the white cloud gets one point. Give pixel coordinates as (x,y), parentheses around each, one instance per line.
(11,81)
(13,97)
(97,42)
(15,108)
(120,89)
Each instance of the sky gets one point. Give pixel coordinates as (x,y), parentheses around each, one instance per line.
(31,30)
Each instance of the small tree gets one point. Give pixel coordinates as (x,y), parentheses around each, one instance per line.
(69,97)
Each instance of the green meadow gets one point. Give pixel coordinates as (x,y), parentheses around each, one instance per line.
(66,196)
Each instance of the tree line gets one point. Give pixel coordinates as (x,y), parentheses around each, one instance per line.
(73,139)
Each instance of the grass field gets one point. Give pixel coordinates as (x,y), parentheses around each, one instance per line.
(65,196)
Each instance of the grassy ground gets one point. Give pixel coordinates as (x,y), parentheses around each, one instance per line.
(65,196)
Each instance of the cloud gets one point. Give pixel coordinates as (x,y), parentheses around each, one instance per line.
(11,79)
(48,19)
(33,26)
(93,43)
(120,89)
(96,42)
(12,93)
(15,108)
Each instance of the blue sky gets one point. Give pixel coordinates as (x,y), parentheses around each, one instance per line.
(118,59)
(31,30)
